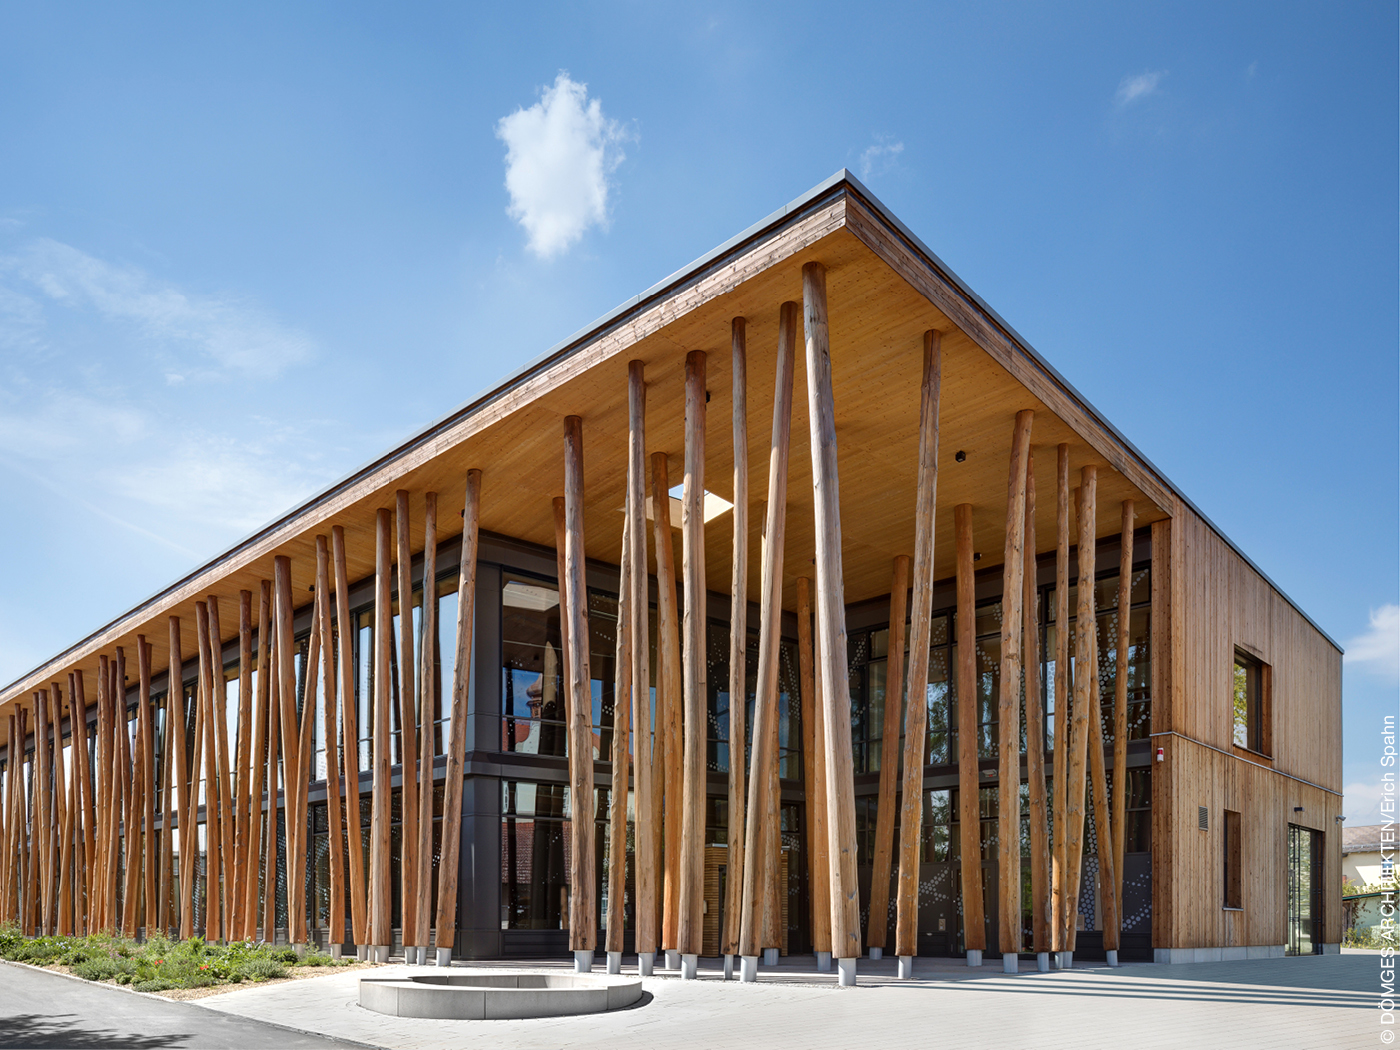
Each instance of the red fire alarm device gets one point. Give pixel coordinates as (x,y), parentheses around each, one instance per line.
(1161,754)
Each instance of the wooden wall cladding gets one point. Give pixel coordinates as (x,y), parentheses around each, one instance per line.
(1267,804)
(1224,604)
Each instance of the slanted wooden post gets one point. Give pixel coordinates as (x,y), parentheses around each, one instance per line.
(43,832)
(760,871)
(1084,675)
(224,765)
(183,779)
(457,750)
(427,721)
(350,751)
(274,736)
(1062,700)
(335,917)
(668,693)
(408,731)
(878,924)
(1103,828)
(831,626)
(146,728)
(62,789)
(738,640)
(583,921)
(969,780)
(692,858)
(645,834)
(1042,914)
(1120,701)
(380,935)
(82,771)
(1009,702)
(814,766)
(621,730)
(258,730)
(242,787)
(921,627)
(207,734)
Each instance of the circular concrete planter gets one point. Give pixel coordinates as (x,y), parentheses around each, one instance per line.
(497,996)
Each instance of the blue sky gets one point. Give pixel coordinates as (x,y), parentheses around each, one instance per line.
(243,248)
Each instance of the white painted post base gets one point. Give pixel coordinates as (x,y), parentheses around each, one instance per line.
(877,953)
(444,956)
(690,967)
(583,961)
(646,962)
(673,959)
(614,962)
(1042,961)
(1010,962)
(1112,958)
(974,957)
(748,968)
(411,956)
(906,967)
(362,952)
(846,973)
(336,951)
(823,962)
(1067,960)
(729,967)
(770,956)
(381,953)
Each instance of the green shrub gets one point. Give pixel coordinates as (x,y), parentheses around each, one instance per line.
(155,984)
(104,968)
(262,970)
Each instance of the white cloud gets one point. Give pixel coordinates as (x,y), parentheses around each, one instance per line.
(1133,88)
(229,334)
(559,155)
(1378,649)
(879,157)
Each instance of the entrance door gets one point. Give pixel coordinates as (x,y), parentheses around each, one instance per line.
(1305,880)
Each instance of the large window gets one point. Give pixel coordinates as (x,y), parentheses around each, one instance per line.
(536,844)
(1248,703)
(717,757)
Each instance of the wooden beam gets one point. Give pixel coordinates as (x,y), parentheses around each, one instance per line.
(182,780)
(350,737)
(335,915)
(1042,915)
(380,935)
(693,661)
(427,719)
(621,728)
(738,638)
(457,751)
(82,774)
(647,825)
(583,923)
(878,924)
(43,831)
(1062,699)
(62,792)
(831,619)
(205,742)
(1120,701)
(292,771)
(668,693)
(1083,675)
(408,729)
(969,779)
(921,628)
(243,811)
(146,722)
(1009,702)
(1108,899)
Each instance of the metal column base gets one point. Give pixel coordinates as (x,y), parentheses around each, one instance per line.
(614,962)
(444,956)
(583,961)
(362,952)
(336,950)
(1112,958)
(646,962)
(876,954)
(770,956)
(690,967)
(974,957)
(729,967)
(673,959)
(1010,962)
(1042,961)
(748,968)
(846,972)
(906,967)
(823,962)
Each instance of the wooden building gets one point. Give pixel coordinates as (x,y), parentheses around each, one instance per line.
(812,469)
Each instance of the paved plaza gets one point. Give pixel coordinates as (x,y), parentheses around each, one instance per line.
(1318,1001)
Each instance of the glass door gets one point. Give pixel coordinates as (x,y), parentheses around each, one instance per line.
(1305,877)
